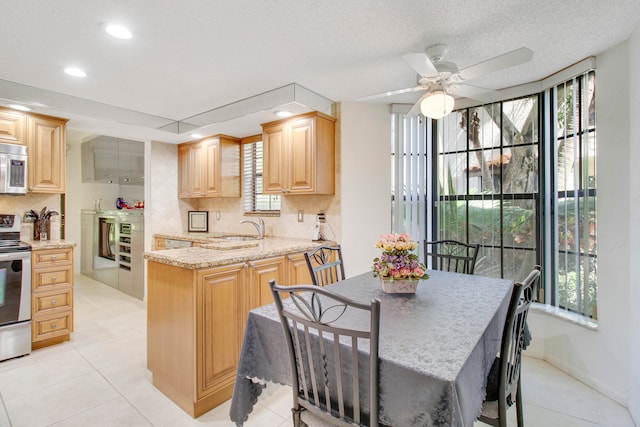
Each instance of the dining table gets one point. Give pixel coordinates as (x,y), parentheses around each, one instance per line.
(435,351)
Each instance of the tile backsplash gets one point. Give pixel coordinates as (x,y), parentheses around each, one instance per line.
(21,204)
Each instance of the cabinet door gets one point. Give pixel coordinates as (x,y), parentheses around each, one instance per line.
(297,270)
(274,146)
(197,166)
(302,165)
(220,314)
(262,272)
(47,155)
(211,172)
(13,127)
(184,171)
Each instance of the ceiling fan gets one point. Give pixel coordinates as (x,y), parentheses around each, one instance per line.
(442,80)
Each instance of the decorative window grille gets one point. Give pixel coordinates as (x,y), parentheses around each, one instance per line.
(487,184)
(254,200)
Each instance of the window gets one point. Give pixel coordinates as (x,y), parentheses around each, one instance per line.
(573,224)
(526,196)
(254,200)
(487,184)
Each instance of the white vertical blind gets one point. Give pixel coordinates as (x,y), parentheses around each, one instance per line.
(409,175)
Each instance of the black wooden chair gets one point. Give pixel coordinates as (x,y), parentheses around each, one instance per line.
(504,385)
(324,373)
(325,265)
(451,255)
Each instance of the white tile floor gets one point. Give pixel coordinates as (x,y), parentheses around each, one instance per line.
(99,378)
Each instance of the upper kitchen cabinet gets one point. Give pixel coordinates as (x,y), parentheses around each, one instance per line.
(13,127)
(299,155)
(209,168)
(46,144)
(110,160)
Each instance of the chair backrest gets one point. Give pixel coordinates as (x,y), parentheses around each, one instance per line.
(327,353)
(513,335)
(451,255)
(325,265)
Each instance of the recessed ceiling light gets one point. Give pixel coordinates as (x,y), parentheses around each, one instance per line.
(75,72)
(284,113)
(196,135)
(19,107)
(118,31)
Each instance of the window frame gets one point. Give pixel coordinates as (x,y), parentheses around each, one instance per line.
(250,191)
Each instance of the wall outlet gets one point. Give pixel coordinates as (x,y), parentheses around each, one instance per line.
(217,215)
(300,216)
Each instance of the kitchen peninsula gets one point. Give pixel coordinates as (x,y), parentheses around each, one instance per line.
(198,302)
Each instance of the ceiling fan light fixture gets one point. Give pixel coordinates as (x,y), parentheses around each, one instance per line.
(437,105)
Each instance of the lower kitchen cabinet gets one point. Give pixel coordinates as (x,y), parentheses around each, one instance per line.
(195,325)
(51,296)
(196,321)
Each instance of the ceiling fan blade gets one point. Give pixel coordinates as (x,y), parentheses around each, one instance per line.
(391,93)
(509,59)
(421,63)
(474,92)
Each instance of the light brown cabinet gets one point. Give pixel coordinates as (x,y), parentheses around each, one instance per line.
(209,168)
(196,321)
(51,296)
(299,155)
(13,127)
(46,142)
(195,325)
(45,138)
(260,273)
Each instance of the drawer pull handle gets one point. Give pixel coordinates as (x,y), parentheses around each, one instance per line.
(53,302)
(53,326)
(53,257)
(53,279)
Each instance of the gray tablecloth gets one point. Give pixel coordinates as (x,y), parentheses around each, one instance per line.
(436,348)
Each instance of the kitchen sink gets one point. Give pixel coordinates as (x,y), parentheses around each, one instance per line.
(234,237)
(240,238)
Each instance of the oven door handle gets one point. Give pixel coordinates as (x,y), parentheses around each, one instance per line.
(10,256)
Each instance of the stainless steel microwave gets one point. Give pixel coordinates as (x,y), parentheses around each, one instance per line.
(13,169)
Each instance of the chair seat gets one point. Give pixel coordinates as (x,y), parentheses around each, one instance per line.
(312,420)
(490,409)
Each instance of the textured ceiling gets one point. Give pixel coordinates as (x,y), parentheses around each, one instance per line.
(191,56)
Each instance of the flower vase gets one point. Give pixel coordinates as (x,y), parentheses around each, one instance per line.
(399,286)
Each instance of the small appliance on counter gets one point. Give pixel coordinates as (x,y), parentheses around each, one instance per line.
(321,229)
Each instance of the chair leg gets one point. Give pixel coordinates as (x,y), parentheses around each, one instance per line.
(297,420)
(519,408)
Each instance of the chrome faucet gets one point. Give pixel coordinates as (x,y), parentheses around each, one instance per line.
(258,225)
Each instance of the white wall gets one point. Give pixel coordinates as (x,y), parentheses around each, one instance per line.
(365,137)
(601,358)
(634,226)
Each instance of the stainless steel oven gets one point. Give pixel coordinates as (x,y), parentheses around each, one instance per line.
(15,290)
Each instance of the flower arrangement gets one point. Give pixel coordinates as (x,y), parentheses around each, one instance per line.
(396,261)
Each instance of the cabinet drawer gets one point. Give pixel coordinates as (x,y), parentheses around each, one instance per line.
(44,279)
(52,302)
(51,257)
(52,326)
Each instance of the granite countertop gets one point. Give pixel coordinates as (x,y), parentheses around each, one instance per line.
(37,245)
(213,252)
